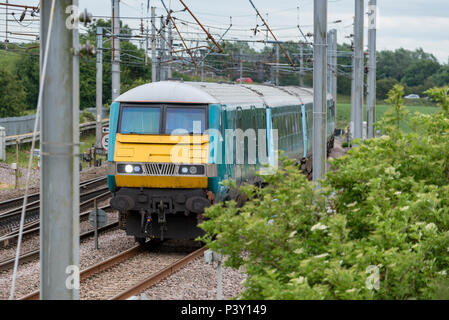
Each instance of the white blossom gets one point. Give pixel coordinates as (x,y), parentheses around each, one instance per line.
(319,226)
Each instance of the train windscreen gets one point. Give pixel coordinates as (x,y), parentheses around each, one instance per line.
(192,120)
(140,120)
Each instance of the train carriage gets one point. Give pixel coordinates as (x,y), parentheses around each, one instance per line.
(173,142)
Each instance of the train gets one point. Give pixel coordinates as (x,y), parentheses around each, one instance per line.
(173,143)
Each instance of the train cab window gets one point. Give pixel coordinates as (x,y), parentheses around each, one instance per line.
(140,120)
(192,120)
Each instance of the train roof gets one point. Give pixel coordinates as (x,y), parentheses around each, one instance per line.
(217,93)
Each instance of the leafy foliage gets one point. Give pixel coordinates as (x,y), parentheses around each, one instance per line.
(86,116)
(441,95)
(397,112)
(382,207)
(12,95)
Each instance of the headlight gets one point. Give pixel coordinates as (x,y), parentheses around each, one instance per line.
(129,168)
(192,170)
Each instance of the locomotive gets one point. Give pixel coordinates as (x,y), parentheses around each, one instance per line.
(172,143)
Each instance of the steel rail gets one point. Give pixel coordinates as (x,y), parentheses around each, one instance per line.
(6,204)
(139,287)
(7,221)
(159,276)
(99,267)
(32,206)
(34,254)
(28,228)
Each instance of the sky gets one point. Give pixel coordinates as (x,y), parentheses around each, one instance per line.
(401,23)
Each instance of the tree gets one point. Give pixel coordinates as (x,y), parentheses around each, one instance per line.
(394,64)
(441,78)
(384,86)
(27,70)
(419,72)
(12,95)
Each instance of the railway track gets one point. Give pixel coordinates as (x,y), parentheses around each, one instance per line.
(32,255)
(10,219)
(130,287)
(17,202)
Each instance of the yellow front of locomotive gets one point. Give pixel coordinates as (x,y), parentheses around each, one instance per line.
(161,171)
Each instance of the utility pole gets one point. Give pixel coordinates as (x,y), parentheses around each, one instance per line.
(146,46)
(333,63)
(59,185)
(277,65)
(162,60)
(99,102)
(358,69)
(352,98)
(6,30)
(371,100)
(329,62)
(319,89)
(301,64)
(241,66)
(153,45)
(202,65)
(115,49)
(335,74)
(170,54)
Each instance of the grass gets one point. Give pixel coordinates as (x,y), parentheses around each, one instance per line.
(344,112)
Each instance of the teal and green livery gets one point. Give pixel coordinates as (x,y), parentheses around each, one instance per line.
(172,143)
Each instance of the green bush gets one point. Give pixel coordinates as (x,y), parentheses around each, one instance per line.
(87,116)
(382,208)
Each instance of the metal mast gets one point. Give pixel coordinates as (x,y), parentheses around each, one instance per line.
(153,45)
(277,65)
(115,49)
(358,69)
(99,102)
(170,45)
(301,64)
(162,60)
(59,212)
(334,63)
(371,100)
(319,89)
